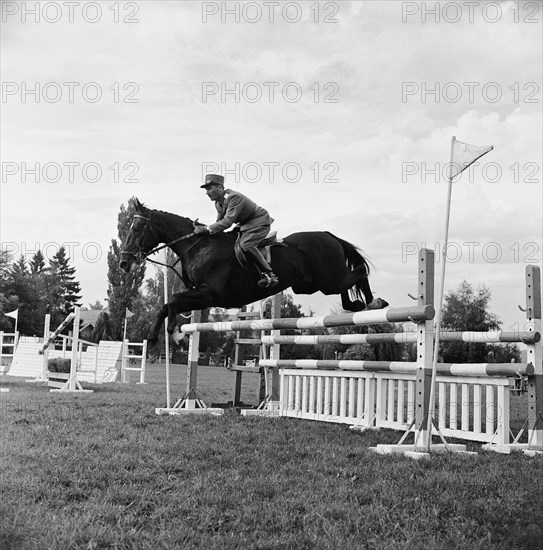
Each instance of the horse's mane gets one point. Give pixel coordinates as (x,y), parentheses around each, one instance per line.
(164,212)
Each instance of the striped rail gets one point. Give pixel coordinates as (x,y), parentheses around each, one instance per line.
(405,367)
(388,315)
(403,338)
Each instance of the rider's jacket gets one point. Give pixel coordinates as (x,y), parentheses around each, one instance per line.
(241,210)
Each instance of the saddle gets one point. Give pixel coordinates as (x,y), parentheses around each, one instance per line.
(264,247)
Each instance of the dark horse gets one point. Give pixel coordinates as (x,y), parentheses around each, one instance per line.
(310,261)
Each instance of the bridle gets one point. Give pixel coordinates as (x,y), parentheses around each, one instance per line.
(140,255)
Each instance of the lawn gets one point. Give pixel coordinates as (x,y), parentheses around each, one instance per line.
(102,470)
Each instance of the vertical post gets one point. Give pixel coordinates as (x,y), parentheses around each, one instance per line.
(72,386)
(124,353)
(424,348)
(166,335)
(239,356)
(275,349)
(143,362)
(192,367)
(534,356)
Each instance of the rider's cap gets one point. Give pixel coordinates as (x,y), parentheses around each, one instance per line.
(213,179)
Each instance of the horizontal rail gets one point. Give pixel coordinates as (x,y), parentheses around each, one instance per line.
(366,317)
(451,369)
(493,336)
(305,339)
(403,338)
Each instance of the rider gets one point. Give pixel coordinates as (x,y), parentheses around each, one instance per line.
(254,223)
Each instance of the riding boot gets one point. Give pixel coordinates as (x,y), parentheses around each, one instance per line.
(268,277)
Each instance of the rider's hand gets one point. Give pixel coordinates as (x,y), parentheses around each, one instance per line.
(200,229)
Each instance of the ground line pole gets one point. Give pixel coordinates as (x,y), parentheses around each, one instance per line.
(439,304)
(166,335)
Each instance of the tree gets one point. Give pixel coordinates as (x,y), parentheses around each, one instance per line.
(25,293)
(62,286)
(102,329)
(37,263)
(467,309)
(8,300)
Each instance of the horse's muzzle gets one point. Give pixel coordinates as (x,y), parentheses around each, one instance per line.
(128,263)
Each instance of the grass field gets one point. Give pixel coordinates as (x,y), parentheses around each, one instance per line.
(103,471)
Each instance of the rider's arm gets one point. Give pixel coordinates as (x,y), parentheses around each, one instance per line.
(233,209)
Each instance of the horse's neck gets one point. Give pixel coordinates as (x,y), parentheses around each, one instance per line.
(171,226)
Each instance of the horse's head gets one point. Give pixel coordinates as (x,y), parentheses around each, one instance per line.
(140,240)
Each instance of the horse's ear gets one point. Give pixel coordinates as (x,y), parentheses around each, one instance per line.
(138,205)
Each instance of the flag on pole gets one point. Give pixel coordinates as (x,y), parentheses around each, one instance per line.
(128,314)
(13,314)
(464,155)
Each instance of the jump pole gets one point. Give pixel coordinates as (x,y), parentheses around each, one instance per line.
(534,356)
(166,335)
(271,404)
(423,373)
(190,402)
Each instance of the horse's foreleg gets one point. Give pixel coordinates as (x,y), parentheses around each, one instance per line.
(152,338)
(185,302)
(358,281)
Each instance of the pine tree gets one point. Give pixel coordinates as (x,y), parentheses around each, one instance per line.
(37,263)
(19,268)
(26,290)
(63,277)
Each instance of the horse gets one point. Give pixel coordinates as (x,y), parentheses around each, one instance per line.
(307,262)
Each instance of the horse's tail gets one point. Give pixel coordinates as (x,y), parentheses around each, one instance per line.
(354,260)
(353,257)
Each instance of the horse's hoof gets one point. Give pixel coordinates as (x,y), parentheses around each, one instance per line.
(178,336)
(377,303)
(153,354)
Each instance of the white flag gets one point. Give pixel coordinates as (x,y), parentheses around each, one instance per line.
(13,314)
(465,154)
(128,314)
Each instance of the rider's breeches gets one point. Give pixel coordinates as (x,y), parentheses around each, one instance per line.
(252,237)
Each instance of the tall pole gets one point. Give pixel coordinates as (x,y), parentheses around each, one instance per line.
(124,350)
(124,330)
(431,405)
(166,335)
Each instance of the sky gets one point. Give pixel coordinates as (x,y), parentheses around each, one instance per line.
(334,116)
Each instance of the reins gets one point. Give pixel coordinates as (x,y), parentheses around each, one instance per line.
(145,256)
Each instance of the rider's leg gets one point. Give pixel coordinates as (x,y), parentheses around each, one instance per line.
(269,278)
(249,240)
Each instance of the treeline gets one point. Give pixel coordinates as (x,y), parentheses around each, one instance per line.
(37,287)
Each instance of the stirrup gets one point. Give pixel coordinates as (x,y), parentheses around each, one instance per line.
(268,280)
